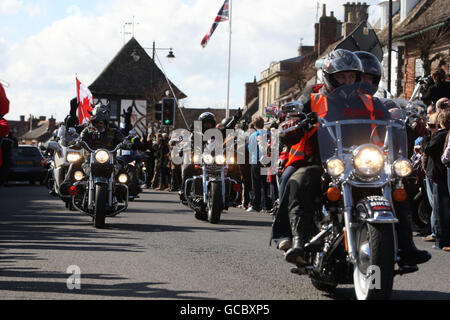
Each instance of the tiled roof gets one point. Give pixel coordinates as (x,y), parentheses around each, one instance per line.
(427,13)
(124,76)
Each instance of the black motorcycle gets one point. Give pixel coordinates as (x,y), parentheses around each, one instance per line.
(364,156)
(101,190)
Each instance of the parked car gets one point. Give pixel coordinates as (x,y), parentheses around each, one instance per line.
(27,164)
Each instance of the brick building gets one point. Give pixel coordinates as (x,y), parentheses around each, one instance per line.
(40,130)
(420,42)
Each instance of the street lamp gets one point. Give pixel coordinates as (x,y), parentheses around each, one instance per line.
(170,56)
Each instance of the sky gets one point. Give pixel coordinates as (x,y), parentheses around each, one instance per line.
(46,44)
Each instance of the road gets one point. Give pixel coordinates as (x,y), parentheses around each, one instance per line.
(158,250)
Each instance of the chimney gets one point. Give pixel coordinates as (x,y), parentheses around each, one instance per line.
(22,118)
(251,91)
(304,50)
(31,122)
(354,14)
(51,124)
(327,31)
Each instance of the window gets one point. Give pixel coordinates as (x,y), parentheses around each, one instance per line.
(418,68)
(27,152)
(114,110)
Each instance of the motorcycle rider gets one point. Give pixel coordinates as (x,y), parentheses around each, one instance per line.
(343,68)
(303,189)
(99,134)
(409,254)
(372,73)
(208,121)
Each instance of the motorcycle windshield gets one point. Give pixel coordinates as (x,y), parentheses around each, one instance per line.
(351,117)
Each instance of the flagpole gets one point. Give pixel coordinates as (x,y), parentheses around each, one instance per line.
(229,63)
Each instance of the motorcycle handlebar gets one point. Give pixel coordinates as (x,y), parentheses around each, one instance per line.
(86,146)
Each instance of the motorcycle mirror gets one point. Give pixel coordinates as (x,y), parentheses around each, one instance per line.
(53,145)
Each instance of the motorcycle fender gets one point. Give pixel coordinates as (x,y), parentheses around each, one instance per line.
(101,180)
(376,209)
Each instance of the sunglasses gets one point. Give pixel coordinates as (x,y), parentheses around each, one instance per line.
(431,125)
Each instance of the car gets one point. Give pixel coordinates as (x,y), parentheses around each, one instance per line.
(27,164)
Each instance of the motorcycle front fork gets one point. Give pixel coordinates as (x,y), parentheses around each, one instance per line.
(351,226)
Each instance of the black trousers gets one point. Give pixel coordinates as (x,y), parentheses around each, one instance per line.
(259,185)
(295,217)
(247,183)
(150,165)
(298,204)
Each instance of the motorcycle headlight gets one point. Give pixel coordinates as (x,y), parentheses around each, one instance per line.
(209,159)
(368,160)
(403,167)
(73,157)
(78,175)
(335,167)
(220,160)
(195,159)
(102,156)
(123,178)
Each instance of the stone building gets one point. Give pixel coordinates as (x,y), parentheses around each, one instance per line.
(284,80)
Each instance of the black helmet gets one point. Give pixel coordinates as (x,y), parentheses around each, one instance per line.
(371,65)
(100,113)
(207,117)
(340,60)
(226,121)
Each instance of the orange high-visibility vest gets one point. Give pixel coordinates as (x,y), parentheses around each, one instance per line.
(367,100)
(303,149)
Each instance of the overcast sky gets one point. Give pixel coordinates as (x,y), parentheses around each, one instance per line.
(44,44)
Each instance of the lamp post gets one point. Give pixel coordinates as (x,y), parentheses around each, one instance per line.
(170,56)
(389,47)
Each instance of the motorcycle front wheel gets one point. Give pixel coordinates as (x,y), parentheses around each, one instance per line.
(101,192)
(373,273)
(215,203)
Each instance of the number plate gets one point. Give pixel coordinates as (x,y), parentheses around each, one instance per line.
(24,163)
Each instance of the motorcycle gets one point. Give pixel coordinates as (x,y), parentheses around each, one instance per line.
(63,156)
(101,189)
(132,166)
(212,191)
(364,157)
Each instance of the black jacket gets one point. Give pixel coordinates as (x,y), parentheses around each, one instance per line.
(434,148)
(107,139)
(437,91)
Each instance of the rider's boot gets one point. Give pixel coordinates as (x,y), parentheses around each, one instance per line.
(296,254)
(300,232)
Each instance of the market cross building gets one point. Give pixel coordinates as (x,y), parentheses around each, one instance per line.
(133,79)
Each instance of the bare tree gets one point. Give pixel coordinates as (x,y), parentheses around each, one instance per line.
(427,42)
(303,72)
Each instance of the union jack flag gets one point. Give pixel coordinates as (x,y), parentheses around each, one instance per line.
(223,15)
